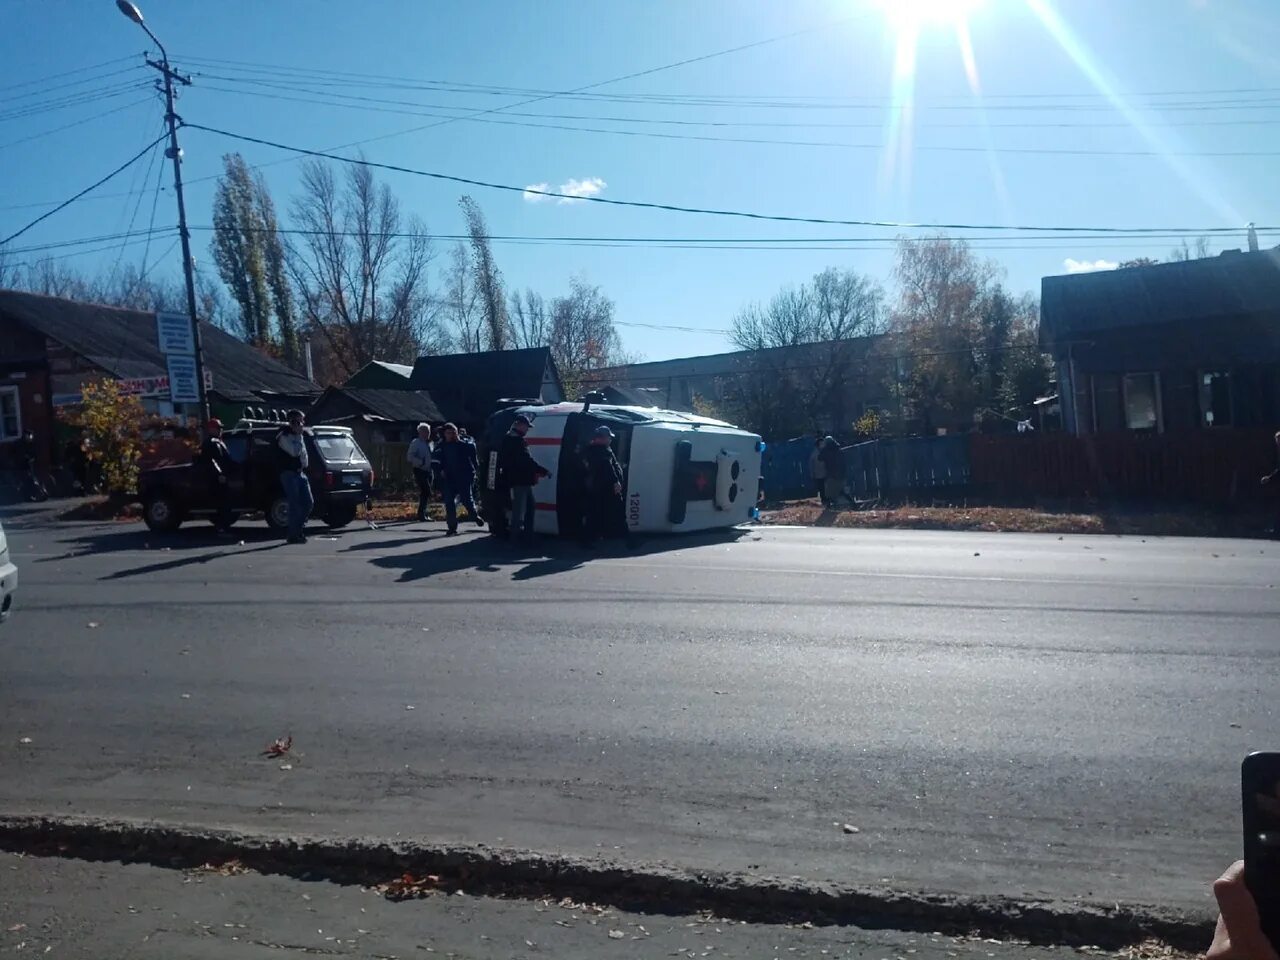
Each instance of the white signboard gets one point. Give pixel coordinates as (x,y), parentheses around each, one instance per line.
(183,387)
(173,330)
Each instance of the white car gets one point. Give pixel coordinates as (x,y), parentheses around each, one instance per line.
(8,578)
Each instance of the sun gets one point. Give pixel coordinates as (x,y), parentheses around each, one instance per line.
(913,15)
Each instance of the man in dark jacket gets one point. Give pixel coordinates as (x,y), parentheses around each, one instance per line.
(1273,478)
(293,459)
(455,461)
(217,464)
(833,461)
(606,515)
(518,472)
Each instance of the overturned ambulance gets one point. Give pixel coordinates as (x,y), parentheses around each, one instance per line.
(683,472)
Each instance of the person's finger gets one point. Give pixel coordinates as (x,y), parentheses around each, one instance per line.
(1240,916)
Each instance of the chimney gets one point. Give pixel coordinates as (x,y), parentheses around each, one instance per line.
(306,357)
(1253,239)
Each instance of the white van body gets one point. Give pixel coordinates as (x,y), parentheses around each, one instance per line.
(683,472)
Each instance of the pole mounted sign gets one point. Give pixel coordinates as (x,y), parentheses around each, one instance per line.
(173,331)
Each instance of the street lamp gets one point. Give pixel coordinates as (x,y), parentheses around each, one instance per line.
(131,11)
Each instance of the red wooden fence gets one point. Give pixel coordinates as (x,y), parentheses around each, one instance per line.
(1205,466)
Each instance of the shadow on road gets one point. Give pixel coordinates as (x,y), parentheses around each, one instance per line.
(132,536)
(548,557)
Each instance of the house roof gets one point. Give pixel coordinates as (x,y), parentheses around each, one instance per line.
(468,386)
(379,374)
(402,406)
(715,364)
(1233,284)
(124,344)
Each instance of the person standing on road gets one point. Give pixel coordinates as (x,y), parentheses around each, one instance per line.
(606,515)
(518,472)
(1274,478)
(291,447)
(420,461)
(455,459)
(217,463)
(28,468)
(833,460)
(818,470)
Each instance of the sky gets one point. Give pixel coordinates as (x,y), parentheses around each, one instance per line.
(993,114)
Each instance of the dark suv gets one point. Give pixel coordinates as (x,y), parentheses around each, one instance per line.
(341,479)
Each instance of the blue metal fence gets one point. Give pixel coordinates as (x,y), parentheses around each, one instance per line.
(875,469)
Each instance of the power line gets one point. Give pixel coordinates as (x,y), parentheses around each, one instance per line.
(762,141)
(707,211)
(346,78)
(87,251)
(82,241)
(70,200)
(75,100)
(73,123)
(73,83)
(67,73)
(663,121)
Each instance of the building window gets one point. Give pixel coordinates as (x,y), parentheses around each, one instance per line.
(1215,398)
(1142,401)
(10,414)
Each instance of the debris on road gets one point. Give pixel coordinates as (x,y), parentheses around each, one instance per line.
(279,747)
(407,887)
(850,828)
(24,740)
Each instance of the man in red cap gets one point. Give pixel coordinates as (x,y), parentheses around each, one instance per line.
(217,463)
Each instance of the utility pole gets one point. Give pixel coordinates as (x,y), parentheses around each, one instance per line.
(174,152)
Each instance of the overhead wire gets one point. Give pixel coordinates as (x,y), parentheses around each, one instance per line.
(361,101)
(75,100)
(762,141)
(74,123)
(703,211)
(72,199)
(142,192)
(67,73)
(74,83)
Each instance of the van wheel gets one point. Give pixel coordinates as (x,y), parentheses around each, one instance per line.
(161,513)
(340,516)
(277,514)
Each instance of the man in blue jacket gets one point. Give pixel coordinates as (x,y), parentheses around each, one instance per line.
(456,463)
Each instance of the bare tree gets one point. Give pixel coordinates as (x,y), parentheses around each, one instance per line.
(488,278)
(460,303)
(530,320)
(1197,251)
(360,269)
(785,387)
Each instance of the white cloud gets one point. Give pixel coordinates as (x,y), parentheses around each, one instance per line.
(580,188)
(573,190)
(1088,266)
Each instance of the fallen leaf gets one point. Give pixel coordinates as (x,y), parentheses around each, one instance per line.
(1236,726)
(976,553)
(16,927)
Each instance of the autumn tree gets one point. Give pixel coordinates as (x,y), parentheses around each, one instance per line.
(111,428)
(359,269)
(487,278)
(1191,251)
(962,349)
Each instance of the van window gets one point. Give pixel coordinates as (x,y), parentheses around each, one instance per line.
(337,448)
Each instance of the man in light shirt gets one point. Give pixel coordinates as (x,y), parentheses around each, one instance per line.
(420,461)
(291,451)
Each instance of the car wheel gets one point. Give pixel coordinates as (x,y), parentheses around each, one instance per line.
(277,514)
(161,513)
(341,516)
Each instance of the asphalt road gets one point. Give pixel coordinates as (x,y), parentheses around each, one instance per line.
(1030,716)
